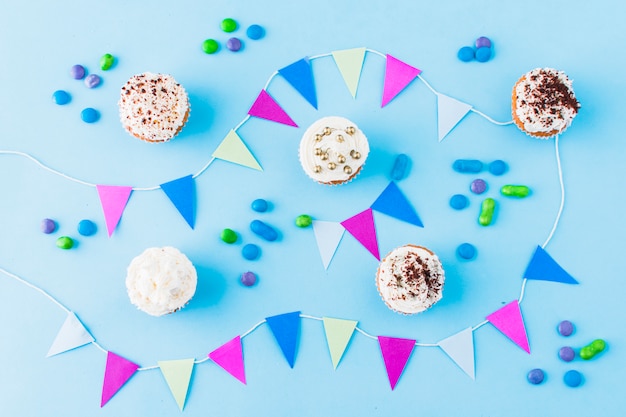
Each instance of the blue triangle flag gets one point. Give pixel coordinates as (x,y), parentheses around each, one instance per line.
(285,328)
(393,203)
(182,192)
(300,76)
(543,268)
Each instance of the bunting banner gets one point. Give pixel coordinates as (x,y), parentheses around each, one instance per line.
(300,76)
(232,149)
(230,357)
(177,374)
(113,200)
(397,76)
(350,64)
(542,267)
(362,227)
(117,371)
(328,235)
(71,335)
(286,329)
(509,321)
(396,353)
(460,348)
(450,111)
(182,193)
(265,107)
(338,334)
(393,203)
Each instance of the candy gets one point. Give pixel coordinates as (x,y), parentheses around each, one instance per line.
(478,186)
(483,41)
(483,54)
(61,97)
(87,228)
(263,230)
(77,72)
(535,376)
(572,378)
(304,220)
(228,236)
(210,46)
(106,62)
(251,251)
(259,205)
(565,328)
(248,279)
(567,354)
(466,166)
(89,115)
(233,44)
(92,81)
(466,251)
(487,209)
(592,349)
(400,167)
(48,226)
(497,167)
(466,54)
(229,25)
(255,32)
(519,191)
(459,201)
(65,242)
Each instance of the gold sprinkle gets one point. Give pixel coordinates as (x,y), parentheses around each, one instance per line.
(318,137)
(339,138)
(324,156)
(317,169)
(332,165)
(327,131)
(318,151)
(350,130)
(341,159)
(347,169)
(354,154)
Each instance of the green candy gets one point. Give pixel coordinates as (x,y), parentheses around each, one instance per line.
(487,208)
(304,220)
(106,62)
(592,349)
(519,191)
(65,242)
(210,46)
(228,236)
(229,25)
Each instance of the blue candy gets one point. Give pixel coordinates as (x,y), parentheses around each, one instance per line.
(483,54)
(255,32)
(467,166)
(497,167)
(535,376)
(573,378)
(466,54)
(264,230)
(466,251)
(61,97)
(251,251)
(259,205)
(459,201)
(87,228)
(400,167)
(89,115)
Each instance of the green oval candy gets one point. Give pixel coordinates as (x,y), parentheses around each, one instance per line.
(487,208)
(304,220)
(592,349)
(229,236)
(519,191)
(65,242)
(106,62)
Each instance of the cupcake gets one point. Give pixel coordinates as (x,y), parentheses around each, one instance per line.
(410,279)
(333,150)
(543,102)
(160,281)
(153,107)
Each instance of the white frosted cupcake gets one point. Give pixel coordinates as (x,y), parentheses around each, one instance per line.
(333,150)
(161,281)
(410,279)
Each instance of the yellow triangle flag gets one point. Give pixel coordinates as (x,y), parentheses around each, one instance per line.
(177,374)
(350,64)
(338,335)
(233,149)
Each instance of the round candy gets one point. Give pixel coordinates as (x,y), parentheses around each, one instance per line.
(229,25)
(251,251)
(259,205)
(255,32)
(263,230)
(87,228)
(304,220)
(565,328)
(466,54)
(92,81)
(483,41)
(535,376)
(106,62)
(572,378)
(567,354)
(466,251)
(497,167)
(233,44)
(248,279)
(483,54)
(478,186)
(89,115)
(48,226)
(65,242)
(210,46)
(61,97)
(459,201)
(228,236)
(77,72)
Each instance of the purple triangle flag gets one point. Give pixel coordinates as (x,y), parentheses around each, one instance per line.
(362,227)
(393,203)
(396,353)
(265,107)
(117,371)
(543,268)
(509,321)
(285,328)
(230,357)
(300,76)
(397,76)
(113,200)
(182,193)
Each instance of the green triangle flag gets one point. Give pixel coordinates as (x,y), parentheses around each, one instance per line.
(177,374)
(233,149)
(350,64)
(338,335)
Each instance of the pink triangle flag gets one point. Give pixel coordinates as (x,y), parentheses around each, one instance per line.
(265,107)
(117,371)
(71,335)
(397,76)
(450,111)
(362,227)
(113,200)
(182,193)
(230,357)
(396,353)
(509,321)
(460,348)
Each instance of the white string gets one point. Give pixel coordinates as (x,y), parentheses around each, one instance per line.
(36,288)
(45,167)
(522,291)
(495,122)
(562,185)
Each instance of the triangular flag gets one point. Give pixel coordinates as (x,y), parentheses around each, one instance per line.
(182,193)
(230,357)
(460,348)
(396,353)
(450,111)
(265,107)
(542,267)
(285,328)
(397,76)
(509,321)
(338,334)
(300,76)
(177,374)
(393,203)
(232,149)
(327,235)
(72,335)
(113,200)
(361,226)
(117,371)
(350,64)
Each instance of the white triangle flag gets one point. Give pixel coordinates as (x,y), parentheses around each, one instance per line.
(328,235)
(450,111)
(72,335)
(460,348)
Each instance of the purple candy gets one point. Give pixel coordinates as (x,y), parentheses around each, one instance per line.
(535,376)
(92,81)
(478,186)
(483,41)
(248,279)
(77,72)
(234,44)
(565,328)
(567,354)
(48,226)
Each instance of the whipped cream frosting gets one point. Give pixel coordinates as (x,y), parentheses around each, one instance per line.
(153,107)
(410,279)
(160,280)
(545,101)
(333,150)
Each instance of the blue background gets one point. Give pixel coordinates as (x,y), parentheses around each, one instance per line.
(40,41)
